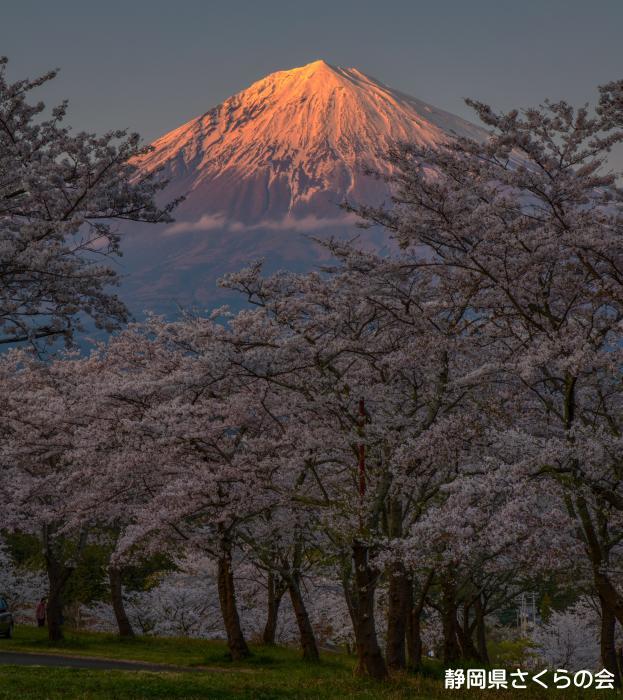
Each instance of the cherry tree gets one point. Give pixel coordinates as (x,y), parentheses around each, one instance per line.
(367,366)
(199,449)
(60,449)
(524,231)
(247,425)
(487,541)
(569,639)
(60,196)
(43,406)
(286,543)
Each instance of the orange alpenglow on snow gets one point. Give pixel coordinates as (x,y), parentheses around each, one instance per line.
(293,137)
(268,164)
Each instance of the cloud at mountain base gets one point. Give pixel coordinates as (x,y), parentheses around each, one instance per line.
(305,224)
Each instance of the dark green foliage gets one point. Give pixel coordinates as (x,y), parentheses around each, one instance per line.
(25,550)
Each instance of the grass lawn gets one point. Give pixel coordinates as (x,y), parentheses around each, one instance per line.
(270,673)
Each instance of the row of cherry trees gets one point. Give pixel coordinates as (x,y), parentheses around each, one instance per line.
(441,424)
(317,435)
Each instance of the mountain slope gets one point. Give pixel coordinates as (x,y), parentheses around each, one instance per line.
(272,161)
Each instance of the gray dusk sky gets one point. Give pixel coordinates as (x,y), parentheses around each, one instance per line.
(151,66)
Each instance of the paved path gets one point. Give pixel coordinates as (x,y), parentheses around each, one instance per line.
(19,658)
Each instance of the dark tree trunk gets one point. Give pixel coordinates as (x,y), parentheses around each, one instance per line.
(481,631)
(609,594)
(58,576)
(414,640)
(415,606)
(275,594)
(398,596)
(370,659)
(227,597)
(397,615)
(451,648)
(306,631)
(464,634)
(116,597)
(599,559)
(607,642)
(54,610)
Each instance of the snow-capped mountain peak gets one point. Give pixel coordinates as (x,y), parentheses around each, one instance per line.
(298,138)
(270,162)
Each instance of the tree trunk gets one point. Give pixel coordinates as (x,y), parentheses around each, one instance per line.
(275,594)
(609,594)
(607,642)
(54,613)
(397,615)
(370,659)
(481,632)
(599,559)
(58,576)
(116,597)
(227,597)
(464,635)
(451,649)
(415,608)
(306,631)
(414,640)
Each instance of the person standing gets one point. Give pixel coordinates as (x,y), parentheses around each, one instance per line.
(40,613)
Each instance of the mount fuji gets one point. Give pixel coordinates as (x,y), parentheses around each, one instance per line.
(266,166)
